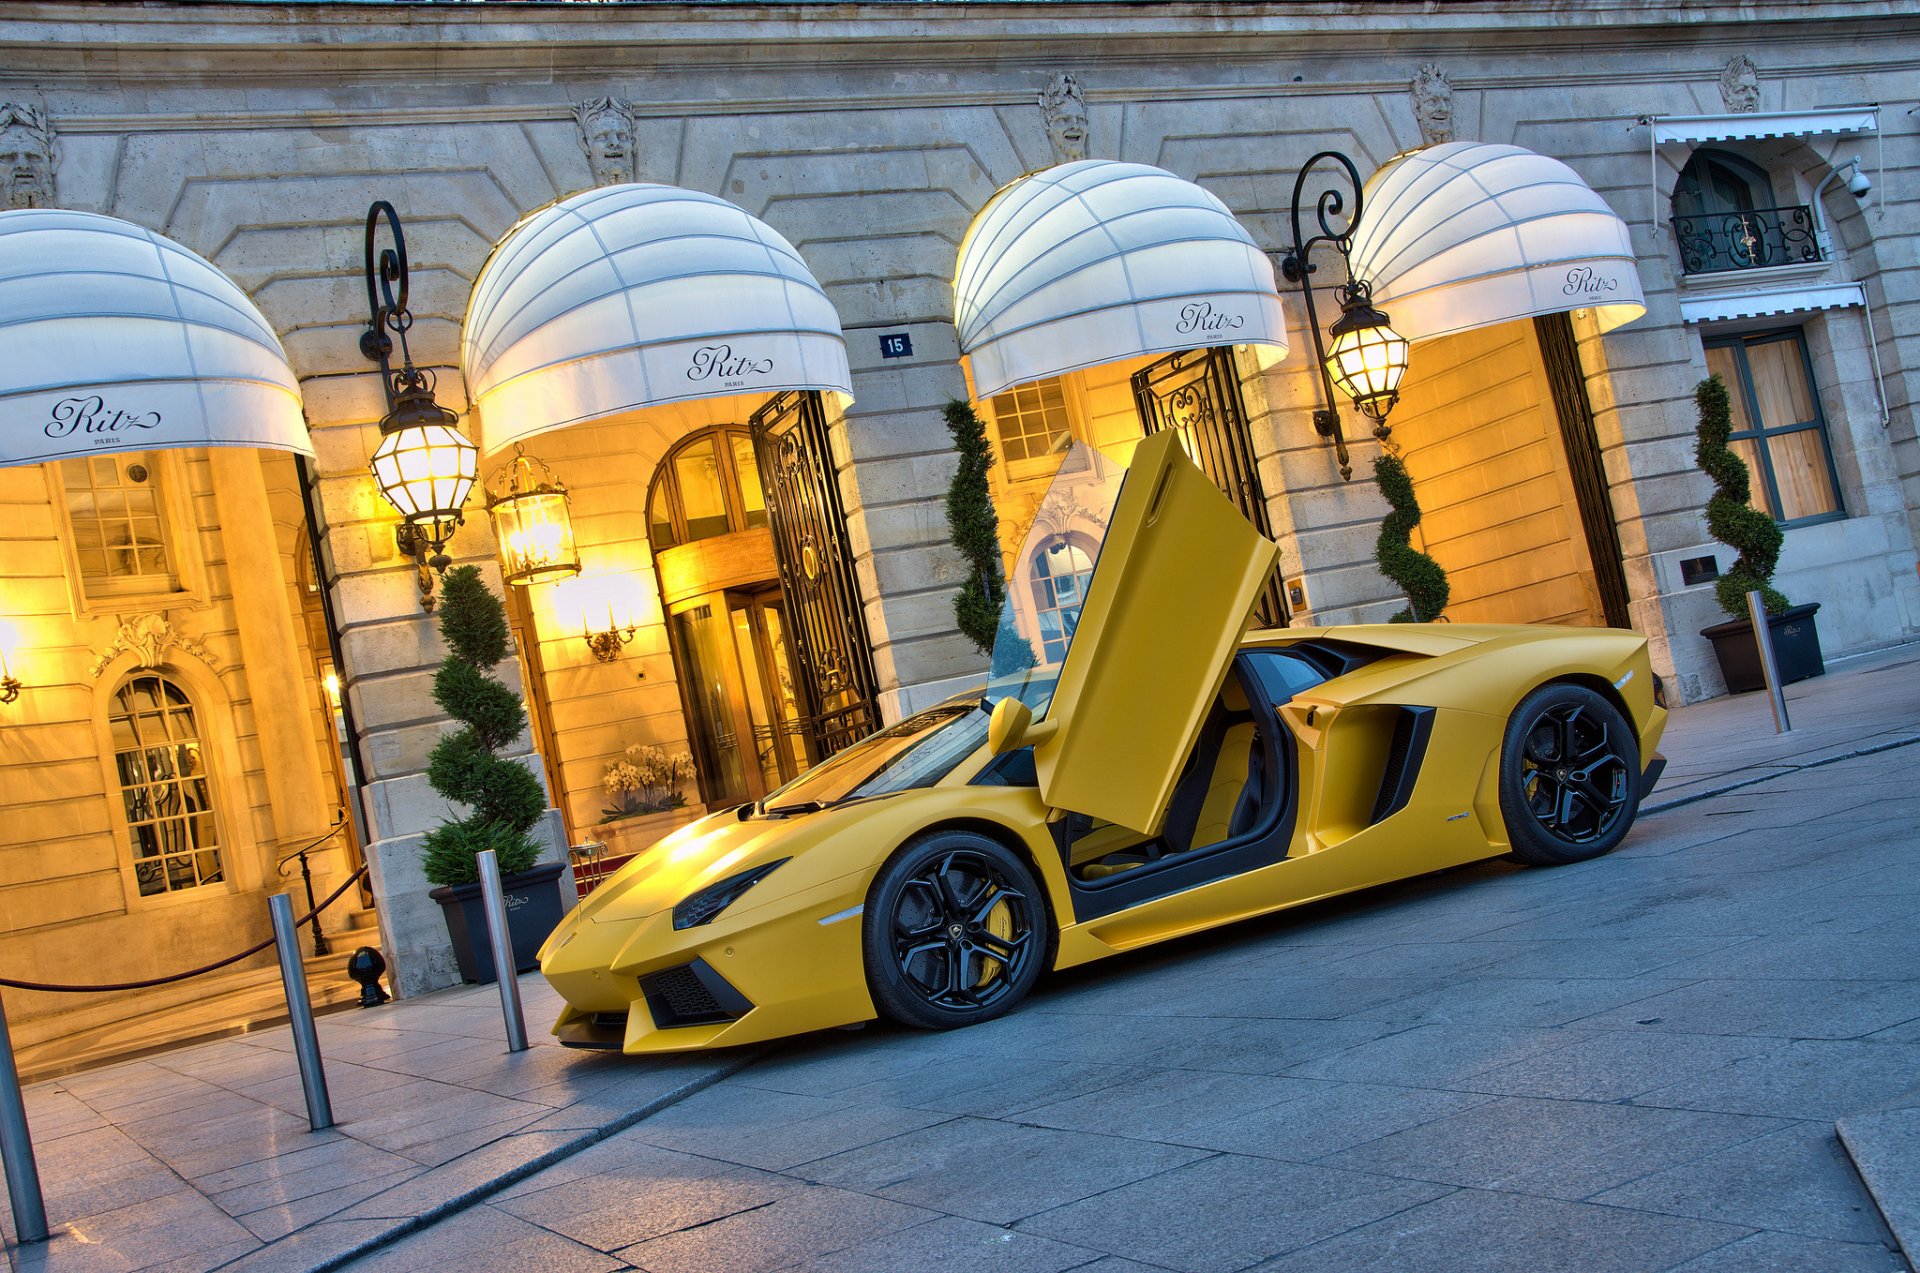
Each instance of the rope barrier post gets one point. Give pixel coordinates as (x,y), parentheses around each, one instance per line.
(501,941)
(306,1042)
(16,1147)
(1769,670)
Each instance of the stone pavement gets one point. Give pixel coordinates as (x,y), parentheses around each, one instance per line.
(202,1158)
(1635,1063)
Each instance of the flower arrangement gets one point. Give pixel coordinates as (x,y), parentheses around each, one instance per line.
(646,780)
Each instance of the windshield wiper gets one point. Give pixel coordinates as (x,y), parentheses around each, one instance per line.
(803,806)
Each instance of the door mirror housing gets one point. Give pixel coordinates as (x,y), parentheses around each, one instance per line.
(1012,725)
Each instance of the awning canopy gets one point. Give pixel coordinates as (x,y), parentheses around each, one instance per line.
(1468,234)
(1759,125)
(636,295)
(120,339)
(1758,304)
(1095,261)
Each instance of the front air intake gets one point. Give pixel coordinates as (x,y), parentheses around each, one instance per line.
(692,994)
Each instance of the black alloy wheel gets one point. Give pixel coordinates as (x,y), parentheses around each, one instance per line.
(1569,776)
(955,931)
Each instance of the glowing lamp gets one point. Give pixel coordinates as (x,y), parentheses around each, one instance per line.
(531,522)
(1368,357)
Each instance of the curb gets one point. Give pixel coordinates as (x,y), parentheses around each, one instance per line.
(1881,1148)
(1693,797)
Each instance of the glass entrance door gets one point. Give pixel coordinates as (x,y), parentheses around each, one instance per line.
(749,733)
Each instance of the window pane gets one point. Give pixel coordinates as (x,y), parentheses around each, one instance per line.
(1748,449)
(752,499)
(1031,421)
(118,530)
(697,470)
(1724,362)
(1780,384)
(1805,480)
(660,516)
(169,818)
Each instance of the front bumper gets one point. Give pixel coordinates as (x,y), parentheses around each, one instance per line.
(642,986)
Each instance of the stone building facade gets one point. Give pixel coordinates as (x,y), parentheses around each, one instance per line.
(1554,461)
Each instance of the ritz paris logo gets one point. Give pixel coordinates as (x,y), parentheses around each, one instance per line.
(1201,316)
(91,414)
(1583,281)
(717,362)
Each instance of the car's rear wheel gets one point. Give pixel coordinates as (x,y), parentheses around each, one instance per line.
(1569,776)
(955,931)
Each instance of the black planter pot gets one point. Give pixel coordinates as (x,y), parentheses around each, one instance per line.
(533,910)
(1796,649)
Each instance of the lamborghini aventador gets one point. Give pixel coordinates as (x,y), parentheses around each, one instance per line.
(1138,766)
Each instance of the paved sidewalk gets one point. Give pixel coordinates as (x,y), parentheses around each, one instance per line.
(1863,703)
(1633,1063)
(202,1158)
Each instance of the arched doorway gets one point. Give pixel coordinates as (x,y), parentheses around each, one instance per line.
(727,625)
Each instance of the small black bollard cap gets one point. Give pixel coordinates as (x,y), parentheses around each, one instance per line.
(365,966)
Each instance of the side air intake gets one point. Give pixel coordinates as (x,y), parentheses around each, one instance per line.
(1405,753)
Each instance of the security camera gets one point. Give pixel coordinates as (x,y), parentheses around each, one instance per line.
(1857,184)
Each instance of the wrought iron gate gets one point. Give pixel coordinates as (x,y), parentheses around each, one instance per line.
(809,528)
(1196,392)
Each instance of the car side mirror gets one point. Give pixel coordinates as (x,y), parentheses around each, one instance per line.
(1012,724)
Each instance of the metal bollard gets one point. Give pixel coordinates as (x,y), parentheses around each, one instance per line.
(1769,671)
(306,1043)
(493,897)
(16,1147)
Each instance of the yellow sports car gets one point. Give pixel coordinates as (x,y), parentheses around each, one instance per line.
(1138,767)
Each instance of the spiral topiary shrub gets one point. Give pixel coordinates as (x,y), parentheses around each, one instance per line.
(1419,576)
(975,528)
(503,798)
(1730,518)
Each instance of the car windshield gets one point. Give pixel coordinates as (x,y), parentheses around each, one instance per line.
(1049,575)
(917,752)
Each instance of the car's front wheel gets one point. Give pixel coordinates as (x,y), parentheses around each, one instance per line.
(955,931)
(1569,776)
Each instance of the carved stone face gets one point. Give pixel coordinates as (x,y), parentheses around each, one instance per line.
(608,137)
(1067,130)
(1740,86)
(26,167)
(1433,106)
(1066,115)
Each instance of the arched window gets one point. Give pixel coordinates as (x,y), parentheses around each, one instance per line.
(709,484)
(1061,569)
(1717,181)
(165,790)
(1723,218)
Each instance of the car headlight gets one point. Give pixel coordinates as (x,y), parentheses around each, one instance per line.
(702,907)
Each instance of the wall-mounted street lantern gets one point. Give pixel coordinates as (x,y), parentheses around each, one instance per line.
(1368,357)
(424,465)
(9,683)
(531,523)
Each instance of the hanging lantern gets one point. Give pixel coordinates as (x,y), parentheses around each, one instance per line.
(425,471)
(424,465)
(1368,357)
(531,523)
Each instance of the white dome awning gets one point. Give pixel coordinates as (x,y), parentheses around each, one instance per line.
(1094,261)
(635,295)
(119,339)
(1468,234)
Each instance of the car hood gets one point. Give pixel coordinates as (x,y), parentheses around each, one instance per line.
(724,844)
